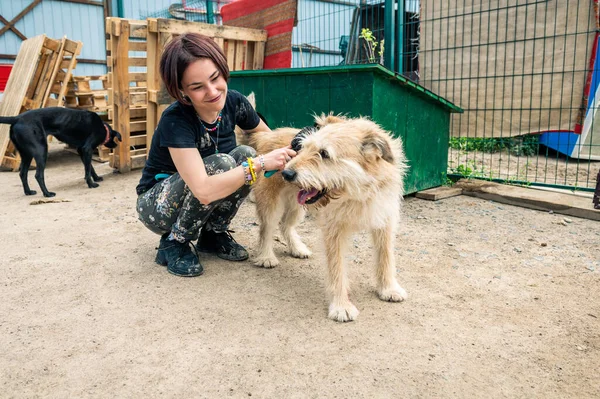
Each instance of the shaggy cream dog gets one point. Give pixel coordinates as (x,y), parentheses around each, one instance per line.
(351,172)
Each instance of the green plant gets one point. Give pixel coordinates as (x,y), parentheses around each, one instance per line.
(371,44)
(518,146)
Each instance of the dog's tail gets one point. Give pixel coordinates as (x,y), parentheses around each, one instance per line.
(8,120)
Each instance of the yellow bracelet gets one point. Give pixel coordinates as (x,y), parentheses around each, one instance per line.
(252,172)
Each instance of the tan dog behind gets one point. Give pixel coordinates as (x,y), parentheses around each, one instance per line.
(351,172)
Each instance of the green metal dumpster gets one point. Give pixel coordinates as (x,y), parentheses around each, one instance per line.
(290,97)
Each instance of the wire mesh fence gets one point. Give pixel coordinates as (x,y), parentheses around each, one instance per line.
(525,74)
(524,71)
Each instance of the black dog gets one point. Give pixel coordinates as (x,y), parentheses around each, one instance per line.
(81,129)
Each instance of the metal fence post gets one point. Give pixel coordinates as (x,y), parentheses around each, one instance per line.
(210,15)
(389,36)
(400,16)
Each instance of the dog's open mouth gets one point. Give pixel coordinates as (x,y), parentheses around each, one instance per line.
(307,197)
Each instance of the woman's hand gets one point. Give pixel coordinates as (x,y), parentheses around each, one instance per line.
(276,159)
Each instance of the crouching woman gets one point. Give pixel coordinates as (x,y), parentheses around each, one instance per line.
(196,177)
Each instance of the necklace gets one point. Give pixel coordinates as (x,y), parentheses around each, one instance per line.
(213,129)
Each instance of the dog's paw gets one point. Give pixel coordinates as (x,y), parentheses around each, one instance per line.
(301,252)
(98,178)
(343,313)
(49,194)
(93,185)
(392,294)
(267,263)
(31,192)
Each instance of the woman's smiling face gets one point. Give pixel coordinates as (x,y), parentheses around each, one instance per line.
(205,86)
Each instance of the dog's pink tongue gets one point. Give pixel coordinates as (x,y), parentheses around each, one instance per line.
(303,195)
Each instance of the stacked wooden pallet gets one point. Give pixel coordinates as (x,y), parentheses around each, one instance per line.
(39,78)
(128,95)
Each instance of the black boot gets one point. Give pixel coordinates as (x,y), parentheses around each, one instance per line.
(178,257)
(221,244)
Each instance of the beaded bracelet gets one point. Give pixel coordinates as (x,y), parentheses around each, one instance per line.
(247,174)
(261,160)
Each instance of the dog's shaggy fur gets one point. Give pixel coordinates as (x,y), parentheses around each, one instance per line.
(349,170)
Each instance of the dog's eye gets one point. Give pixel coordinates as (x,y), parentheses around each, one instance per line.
(324,154)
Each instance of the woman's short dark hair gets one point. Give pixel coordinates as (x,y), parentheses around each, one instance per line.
(183,50)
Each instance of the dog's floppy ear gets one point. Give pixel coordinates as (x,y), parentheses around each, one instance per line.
(117,135)
(375,144)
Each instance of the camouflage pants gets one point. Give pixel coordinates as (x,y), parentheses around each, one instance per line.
(170,207)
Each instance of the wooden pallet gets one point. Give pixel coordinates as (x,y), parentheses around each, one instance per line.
(128,95)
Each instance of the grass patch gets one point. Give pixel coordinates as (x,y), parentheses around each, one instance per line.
(519,146)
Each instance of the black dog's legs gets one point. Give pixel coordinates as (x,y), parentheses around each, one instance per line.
(94,175)
(90,174)
(25,164)
(41,156)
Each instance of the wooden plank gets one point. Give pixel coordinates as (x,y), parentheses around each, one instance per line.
(259,55)
(140,140)
(138,61)
(42,84)
(137,126)
(52,44)
(18,82)
(153,78)
(138,161)
(562,203)
(230,54)
(249,56)
(219,41)
(88,78)
(179,27)
(157,111)
(71,46)
(439,193)
(138,29)
(138,46)
(239,56)
(136,76)
(121,98)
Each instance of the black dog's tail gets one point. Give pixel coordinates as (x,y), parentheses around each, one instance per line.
(8,120)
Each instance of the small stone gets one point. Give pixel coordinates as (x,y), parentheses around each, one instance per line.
(544,244)
(518,250)
(581,348)
(563,223)
(450,244)
(567,220)
(551,212)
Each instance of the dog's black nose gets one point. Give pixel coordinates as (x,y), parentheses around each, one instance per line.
(289,175)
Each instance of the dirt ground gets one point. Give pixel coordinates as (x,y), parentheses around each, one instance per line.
(503,302)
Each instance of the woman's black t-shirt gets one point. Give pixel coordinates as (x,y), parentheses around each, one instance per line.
(180,127)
